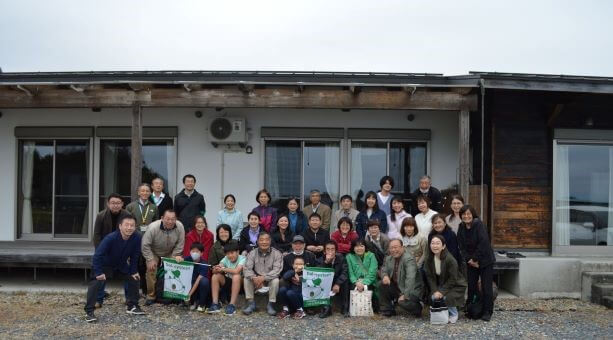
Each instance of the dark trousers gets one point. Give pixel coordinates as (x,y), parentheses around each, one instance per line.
(343,295)
(203,292)
(94,286)
(290,297)
(389,294)
(487,290)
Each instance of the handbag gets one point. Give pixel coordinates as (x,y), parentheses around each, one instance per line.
(439,313)
(360,303)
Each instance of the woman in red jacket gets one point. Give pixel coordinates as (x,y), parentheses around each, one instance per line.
(200,233)
(344,235)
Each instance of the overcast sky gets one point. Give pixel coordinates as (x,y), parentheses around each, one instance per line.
(450,37)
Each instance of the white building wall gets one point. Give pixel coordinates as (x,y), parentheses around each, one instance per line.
(243,173)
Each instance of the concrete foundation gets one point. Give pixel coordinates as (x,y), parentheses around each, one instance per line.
(554,277)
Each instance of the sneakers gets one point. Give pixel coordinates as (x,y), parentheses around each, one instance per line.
(193,307)
(453,318)
(270,309)
(250,308)
(200,309)
(135,311)
(90,317)
(284,314)
(230,309)
(214,309)
(299,314)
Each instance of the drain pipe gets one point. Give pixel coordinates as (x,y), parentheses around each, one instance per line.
(482,85)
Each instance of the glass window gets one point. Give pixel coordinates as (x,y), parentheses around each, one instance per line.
(405,161)
(54,191)
(321,171)
(115,164)
(287,162)
(584,195)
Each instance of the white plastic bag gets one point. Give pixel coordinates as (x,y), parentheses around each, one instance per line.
(360,303)
(439,315)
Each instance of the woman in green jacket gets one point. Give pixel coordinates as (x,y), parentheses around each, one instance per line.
(362,267)
(443,276)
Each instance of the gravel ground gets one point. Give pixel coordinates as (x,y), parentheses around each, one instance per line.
(35,315)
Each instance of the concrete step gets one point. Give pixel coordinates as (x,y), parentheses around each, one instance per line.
(588,279)
(607,301)
(601,290)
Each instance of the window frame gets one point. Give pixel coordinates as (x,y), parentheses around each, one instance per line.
(303,141)
(97,160)
(19,235)
(387,154)
(572,250)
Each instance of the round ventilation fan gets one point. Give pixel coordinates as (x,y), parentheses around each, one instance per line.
(221,128)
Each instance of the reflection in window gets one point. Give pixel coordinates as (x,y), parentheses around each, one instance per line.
(584,194)
(371,160)
(54,201)
(287,161)
(282,171)
(115,165)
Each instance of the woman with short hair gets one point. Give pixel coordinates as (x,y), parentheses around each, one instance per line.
(267,213)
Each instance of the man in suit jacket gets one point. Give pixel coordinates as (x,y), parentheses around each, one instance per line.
(401,281)
(426,189)
(320,208)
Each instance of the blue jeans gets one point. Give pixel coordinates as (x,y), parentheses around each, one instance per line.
(453,311)
(290,298)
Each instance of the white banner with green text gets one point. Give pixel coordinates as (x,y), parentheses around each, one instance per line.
(316,286)
(177,278)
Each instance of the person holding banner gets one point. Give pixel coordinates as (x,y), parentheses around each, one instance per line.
(116,257)
(401,282)
(200,280)
(290,295)
(340,284)
(298,250)
(163,238)
(262,270)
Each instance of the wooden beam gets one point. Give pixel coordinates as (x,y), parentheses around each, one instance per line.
(232,97)
(464,153)
(137,149)
(555,113)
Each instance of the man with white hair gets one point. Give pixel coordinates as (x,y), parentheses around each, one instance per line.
(426,189)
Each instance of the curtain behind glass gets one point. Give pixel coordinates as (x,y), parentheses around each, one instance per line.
(332,171)
(562,196)
(27,173)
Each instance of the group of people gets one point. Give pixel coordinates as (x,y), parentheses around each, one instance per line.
(407,258)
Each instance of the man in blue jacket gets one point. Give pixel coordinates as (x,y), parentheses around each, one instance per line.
(116,257)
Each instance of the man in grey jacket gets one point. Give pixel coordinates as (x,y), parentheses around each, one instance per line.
(401,282)
(163,238)
(261,272)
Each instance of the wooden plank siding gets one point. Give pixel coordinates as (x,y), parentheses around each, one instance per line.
(521,175)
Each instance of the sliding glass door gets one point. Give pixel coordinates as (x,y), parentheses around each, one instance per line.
(583,197)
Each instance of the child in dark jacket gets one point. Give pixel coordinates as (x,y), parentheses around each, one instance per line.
(290,295)
(201,286)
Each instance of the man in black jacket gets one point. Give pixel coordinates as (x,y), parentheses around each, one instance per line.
(189,203)
(162,200)
(426,189)
(315,237)
(298,250)
(340,283)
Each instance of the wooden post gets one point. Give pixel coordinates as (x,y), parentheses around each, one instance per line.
(137,149)
(464,153)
